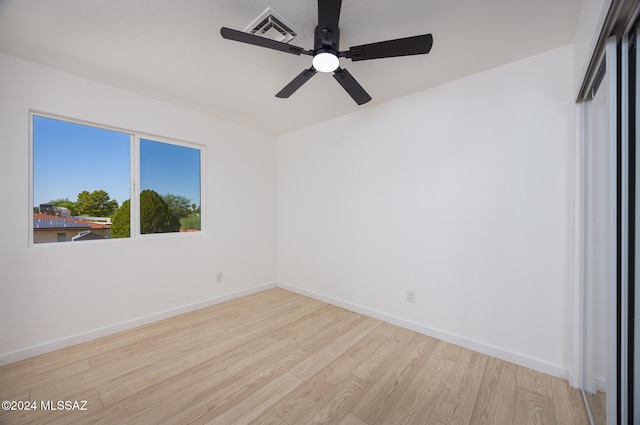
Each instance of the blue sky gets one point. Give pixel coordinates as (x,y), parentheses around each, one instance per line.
(168,168)
(69,158)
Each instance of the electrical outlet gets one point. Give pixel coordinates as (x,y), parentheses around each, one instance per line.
(219,277)
(411,297)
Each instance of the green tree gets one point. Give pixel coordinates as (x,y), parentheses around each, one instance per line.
(121,221)
(66,203)
(178,205)
(96,204)
(191,222)
(155,216)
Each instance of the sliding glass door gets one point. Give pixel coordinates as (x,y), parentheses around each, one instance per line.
(611,341)
(633,156)
(599,117)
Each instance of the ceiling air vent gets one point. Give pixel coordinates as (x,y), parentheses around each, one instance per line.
(272,25)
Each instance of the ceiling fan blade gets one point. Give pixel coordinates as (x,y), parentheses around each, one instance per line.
(296,83)
(416,45)
(352,87)
(329,14)
(256,40)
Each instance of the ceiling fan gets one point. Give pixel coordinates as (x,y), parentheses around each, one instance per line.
(326,51)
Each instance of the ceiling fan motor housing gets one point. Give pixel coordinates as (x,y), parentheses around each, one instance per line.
(326,40)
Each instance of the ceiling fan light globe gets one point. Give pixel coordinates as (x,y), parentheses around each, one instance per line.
(325,62)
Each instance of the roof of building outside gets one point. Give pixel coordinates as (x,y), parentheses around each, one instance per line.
(87,235)
(45,221)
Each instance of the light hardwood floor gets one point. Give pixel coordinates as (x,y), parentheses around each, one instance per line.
(279,358)
(598,403)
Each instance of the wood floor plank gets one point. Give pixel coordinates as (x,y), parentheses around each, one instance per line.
(94,380)
(387,329)
(496,397)
(331,351)
(154,404)
(296,335)
(343,322)
(279,358)
(351,419)
(455,405)
(373,367)
(18,394)
(210,359)
(100,345)
(243,391)
(533,408)
(419,400)
(122,387)
(568,404)
(248,409)
(385,392)
(534,381)
(44,376)
(268,418)
(448,351)
(335,404)
(152,346)
(267,356)
(209,315)
(296,312)
(262,313)
(296,404)
(11,370)
(598,403)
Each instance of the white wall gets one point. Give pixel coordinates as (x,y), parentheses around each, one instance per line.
(55,295)
(462,193)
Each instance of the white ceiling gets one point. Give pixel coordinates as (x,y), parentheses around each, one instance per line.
(172,50)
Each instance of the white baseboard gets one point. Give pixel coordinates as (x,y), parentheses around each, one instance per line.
(509,356)
(36,350)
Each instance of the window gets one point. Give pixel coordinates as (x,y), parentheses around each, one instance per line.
(173,171)
(84,177)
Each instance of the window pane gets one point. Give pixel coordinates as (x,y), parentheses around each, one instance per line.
(81,174)
(170,187)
